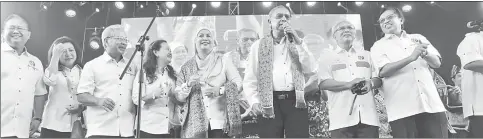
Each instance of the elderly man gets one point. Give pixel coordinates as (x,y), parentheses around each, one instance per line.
(350,116)
(403,60)
(110,110)
(23,89)
(246,37)
(470,52)
(274,79)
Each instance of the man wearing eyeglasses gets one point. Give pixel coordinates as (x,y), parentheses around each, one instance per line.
(339,71)
(110,111)
(274,79)
(23,89)
(413,105)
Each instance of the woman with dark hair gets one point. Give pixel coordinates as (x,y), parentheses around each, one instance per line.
(404,62)
(208,86)
(157,106)
(62,75)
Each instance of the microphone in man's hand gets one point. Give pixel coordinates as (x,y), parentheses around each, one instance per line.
(357,88)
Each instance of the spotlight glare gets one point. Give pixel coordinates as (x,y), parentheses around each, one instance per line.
(193,5)
(359,3)
(339,4)
(141,6)
(310,3)
(407,8)
(267,4)
(97,10)
(382,6)
(70,12)
(119,5)
(288,4)
(170,4)
(432,2)
(44,6)
(215,4)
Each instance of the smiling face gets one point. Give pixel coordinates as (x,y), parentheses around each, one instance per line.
(16,32)
(390,22)
(117,43)
(204,41)
(245,40)
(164,53)
(69,56)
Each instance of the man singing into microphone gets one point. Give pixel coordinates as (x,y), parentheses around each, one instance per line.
(110,110)
(403,60)
(470,52)
(338,72)
(274,79)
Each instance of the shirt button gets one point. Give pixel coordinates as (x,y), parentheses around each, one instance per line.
(17,103)
(418,80)
(71,97)
(166,105)
(414,68)
(18,90)
(120,94)
(20,78)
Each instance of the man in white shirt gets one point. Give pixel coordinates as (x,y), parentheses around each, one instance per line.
(110,110)
(403,60)
(274,79)
(23,89)
(338,72)
(470,52)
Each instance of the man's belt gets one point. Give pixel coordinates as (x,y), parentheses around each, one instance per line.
(282,95)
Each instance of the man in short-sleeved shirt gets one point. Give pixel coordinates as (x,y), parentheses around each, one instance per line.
(22,87)
(403,60)
(338,71)
(110,110)
(470,52)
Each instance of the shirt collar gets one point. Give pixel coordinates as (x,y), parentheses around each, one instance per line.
(8,48)
(107,58)
(340,50)
(390,36)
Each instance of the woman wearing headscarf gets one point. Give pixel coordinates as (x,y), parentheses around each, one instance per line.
(208,85)
(157,106)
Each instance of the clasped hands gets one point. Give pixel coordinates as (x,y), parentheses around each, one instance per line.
(207,89)
(360,86)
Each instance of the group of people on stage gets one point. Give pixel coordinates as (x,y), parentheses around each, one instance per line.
(201,98)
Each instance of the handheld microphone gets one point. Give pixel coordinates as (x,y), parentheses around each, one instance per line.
(475,24)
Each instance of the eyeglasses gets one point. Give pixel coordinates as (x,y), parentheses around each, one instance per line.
(279,16)
(248,38)
(387,18)
(344,28)
(119,39)
(19,28)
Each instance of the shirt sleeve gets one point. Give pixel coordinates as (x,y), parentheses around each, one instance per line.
(181,91)
(135,91)
(250,81)
(50,78)
(468,50)
(324,71)
(431,49)
(379,57)
(307,59)
(87,80)
(40,88)
(231,72)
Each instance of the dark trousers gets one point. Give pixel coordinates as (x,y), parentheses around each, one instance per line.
(100,136)
(49,133)
(357,131)
(423,125)
(176,132)
(216,133)
(294,122)
(148,135)
(476,127)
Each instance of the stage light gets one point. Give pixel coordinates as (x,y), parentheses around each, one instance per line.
(382,6)
(193,5)
(98,10)
(142,4)
(359,3)
(311,3)
(95,41)
(288,4)
(267,4)
(44,6)
(170,4)
(119,5)
(407,8)
(82,3)
(97,6)
(339,4)
(215,4)
(432,2)
(70,12)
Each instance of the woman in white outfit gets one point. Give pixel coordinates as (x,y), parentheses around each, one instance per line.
(62,75)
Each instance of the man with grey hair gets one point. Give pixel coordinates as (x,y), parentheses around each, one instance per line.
(110,111)
(23,89)
(339,71)
(274,79)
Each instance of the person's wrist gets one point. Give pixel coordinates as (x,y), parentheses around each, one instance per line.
(37,119)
